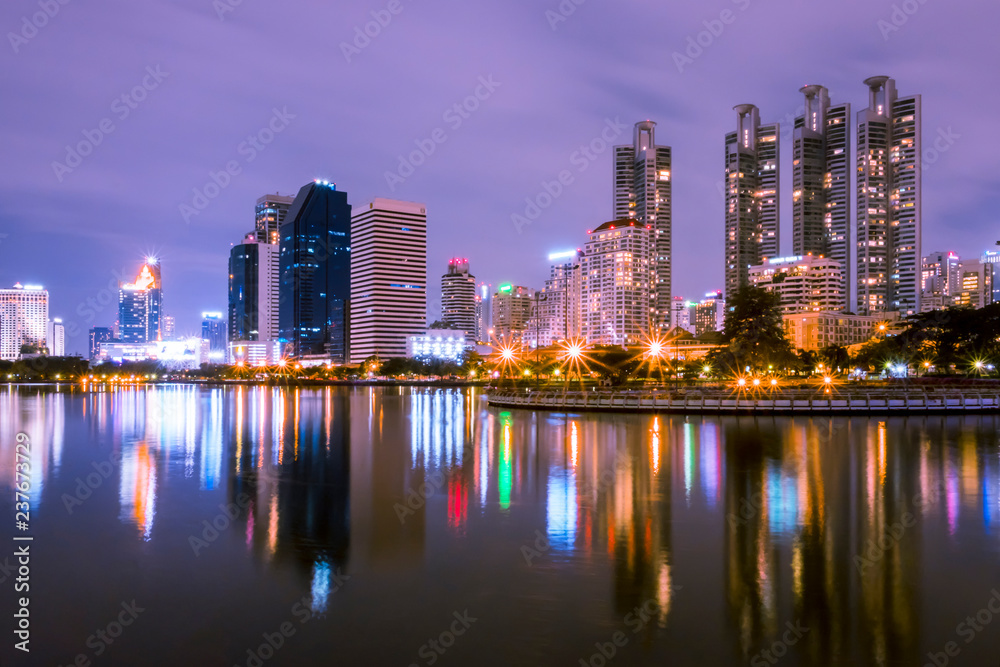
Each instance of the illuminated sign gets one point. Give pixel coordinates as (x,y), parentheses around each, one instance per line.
(506,287)
(562,255)
(783,260)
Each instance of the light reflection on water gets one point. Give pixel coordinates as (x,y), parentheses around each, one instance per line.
(726,528)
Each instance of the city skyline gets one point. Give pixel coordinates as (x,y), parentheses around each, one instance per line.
(547,118)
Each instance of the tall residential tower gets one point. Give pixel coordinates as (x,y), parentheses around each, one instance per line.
(821,182)
(752,219)
(888,208)
(458,298)
(642,192)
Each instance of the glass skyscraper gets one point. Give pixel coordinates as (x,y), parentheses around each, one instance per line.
(140,304)
(315,273)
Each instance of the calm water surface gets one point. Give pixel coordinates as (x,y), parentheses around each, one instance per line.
(406,527)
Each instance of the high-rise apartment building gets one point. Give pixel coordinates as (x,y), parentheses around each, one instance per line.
(616,283)
(683,314)
(807,283)
(458,298)
(821,182)
(269,213)
(315,273)
(140,304)
(642,192)
(991,258)
(939,274)
(24,318)
(560,301)
(388,277)
(710,313)
(56,338)
(751,185)
(888,206)
(99,335)
(253,291)
(169,327)
(513,309)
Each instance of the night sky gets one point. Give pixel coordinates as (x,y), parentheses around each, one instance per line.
(212,75)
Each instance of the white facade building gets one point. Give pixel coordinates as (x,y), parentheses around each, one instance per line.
(803,283)
(388,277)
(447,344)
(617,276)
(24,319)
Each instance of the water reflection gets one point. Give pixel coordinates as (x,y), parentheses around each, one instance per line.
(843,525)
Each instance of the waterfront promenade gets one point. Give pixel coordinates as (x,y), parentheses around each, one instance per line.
(859,398)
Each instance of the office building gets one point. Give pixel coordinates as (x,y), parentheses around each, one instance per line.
(683,314)
(458,297)
(484,312)
(642,192)
(56,338)
(751,186)
(269,213)
(254,353)
(184,354)
(99,335)
(388,277)
(939,275)
(560,301)
(169,327)
(139,305)
(821,182)
(975,286)
(513,309)
(253,291)
(616,283)
(24,319)
(710,314)
(889,194)
(315,274)
(803,284)
(213,330)
(991,258)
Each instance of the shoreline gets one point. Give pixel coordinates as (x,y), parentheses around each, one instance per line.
(919,399)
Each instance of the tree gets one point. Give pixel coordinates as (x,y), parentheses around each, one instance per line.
(754,333)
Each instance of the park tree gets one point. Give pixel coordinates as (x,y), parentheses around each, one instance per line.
(754,333)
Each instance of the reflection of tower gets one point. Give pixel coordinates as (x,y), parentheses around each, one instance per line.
(888,603)
(639,521)
(751,567)
(297,473)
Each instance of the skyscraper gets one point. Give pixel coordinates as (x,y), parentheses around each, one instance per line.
(616,280)
(269,213)
(213,330)
(821,182)
(888,208)
(24,318)
(388,277)
(484,312)
(315,273)
(139,305)
(253,291)
(513,309)
(752,219)
(642,191)
(458,297)
(99,335)
(56,338)
(940,276)
(560,302)
(169,327)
